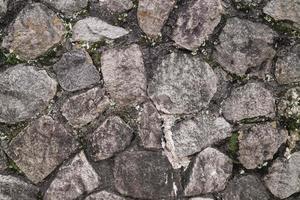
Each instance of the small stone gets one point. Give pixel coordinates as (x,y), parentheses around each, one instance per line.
(288,105)
(24,92)
(92,29)
(197,22)
(81,109)
(3,161)
(75,71)
(224,83)
(152,15)
(67,7)
(115,6)
(210,172)
(3,7)
(283,177)
(249,101)
(136,172)
(73,180)
(111,137)
(12,188)
(182,84)
(104,195)
(259,143)
(35,30)
(124,75)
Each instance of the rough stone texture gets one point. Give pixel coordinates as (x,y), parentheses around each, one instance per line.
(249,101)
(73,179)
(81,109)
(259,143)
(75,71)
(12,188)
(210,173)
(67,7)
(115,6)
(92,29)
(152,14)
(35,30)
(124,74)
(24,92)
(245,47)
(3,7)
(182,84)
(41,147)
(246,188)
(3,161)
(288,105)
(283,177)
(104,195)
(135,173)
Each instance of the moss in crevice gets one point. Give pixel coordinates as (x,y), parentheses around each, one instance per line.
(233,146)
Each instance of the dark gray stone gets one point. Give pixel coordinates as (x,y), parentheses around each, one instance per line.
(104,195)
(3,161)
(67,7)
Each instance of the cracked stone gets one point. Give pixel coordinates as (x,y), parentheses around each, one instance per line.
(104,195)
(24,92)
(210,173)
(75,71)
(73,179)
(124,75)
(182,84)
(3,7)
(67,7)
(34,31)
(3,161)
(115,6)
(288,105)
(197,22)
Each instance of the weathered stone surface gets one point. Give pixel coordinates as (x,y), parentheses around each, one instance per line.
(182,84)
(111,137)
(81,109)
(41,147)
(73,179)
(246,188)
(124,74)
(35,30)
(197,23)
(249,101)
(92,29)
(75,70)
(136,172)
(3,161)
(152,14)
(283,177)
(3,7)
(67,7)
(210,173)
(115,6)
(24,92)
(288,105)
(12,188)
(288,68)
(259,143)
(245,47)
(224,84)
(104,195)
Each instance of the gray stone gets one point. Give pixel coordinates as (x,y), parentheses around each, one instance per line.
(24,92)
(288,105)
(34,31)
(249,101)
(210,173)
(67,7)
(224,84)
(82,109)
(73,180)
(12,188)
(259,143)
(283,177)
(104,195)
(75,71)
(245,48)
(3,161)
(93,29)
(152,15)
(115,6)
(144,174)
(197,22)
(182,84)
(124,74)
(249,3)
(3,7)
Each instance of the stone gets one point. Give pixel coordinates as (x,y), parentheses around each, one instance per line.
(197,22)
(135,172)
(82,109)
(259,143)
(182,84)
(14,188)
(111,137)
(115,6)
(245,47)
(3,161)
(35,30)
(210,173)
(73,179)
(67,7)
(288,106)
(249,2)
(93,29)
(3,7)
(75,71)
(152,15)
(124,75)
(104,195)
(283,176)
(24,93)
(249,101)
(247,187)
(200,198)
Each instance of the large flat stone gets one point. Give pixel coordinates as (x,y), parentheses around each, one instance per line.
(67,7)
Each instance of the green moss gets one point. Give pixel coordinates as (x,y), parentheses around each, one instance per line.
(12,166)
(11,59)
(233,145)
